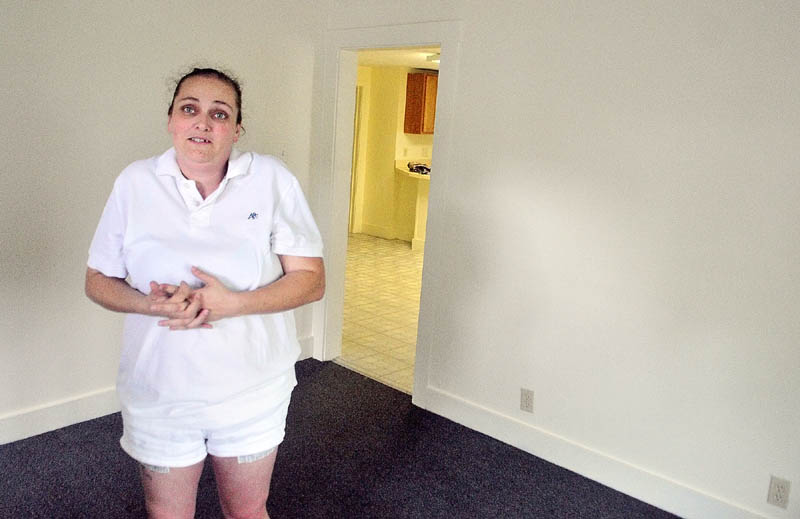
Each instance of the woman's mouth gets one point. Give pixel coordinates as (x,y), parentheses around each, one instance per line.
(200,140)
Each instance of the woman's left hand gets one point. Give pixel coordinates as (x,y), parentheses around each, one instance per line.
(179,305)
(219,300)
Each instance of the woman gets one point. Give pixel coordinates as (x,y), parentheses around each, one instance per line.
(218,246)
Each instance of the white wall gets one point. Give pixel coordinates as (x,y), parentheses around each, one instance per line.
(86,87)
(620,235)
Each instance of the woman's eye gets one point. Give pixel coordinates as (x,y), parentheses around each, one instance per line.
(188,109)
(220,115)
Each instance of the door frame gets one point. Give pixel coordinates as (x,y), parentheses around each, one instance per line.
(331,164)
(358,136)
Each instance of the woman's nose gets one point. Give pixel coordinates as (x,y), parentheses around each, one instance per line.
(203,122)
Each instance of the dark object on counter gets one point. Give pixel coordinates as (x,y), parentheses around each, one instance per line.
(416,167)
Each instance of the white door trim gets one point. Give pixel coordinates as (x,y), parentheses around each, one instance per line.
(331,163)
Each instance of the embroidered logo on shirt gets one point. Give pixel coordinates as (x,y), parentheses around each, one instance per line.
(252,216)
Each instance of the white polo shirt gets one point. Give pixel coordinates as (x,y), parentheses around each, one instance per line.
(156,226)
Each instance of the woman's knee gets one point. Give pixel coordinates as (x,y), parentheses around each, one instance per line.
(167,511)
(244,510)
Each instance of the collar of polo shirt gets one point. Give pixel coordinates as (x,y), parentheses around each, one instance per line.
(167,166)
(238,164)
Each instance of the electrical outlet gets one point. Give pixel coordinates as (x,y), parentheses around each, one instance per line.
(778,492)
(526,400)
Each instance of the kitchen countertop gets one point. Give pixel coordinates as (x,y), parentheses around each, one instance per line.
(417,188)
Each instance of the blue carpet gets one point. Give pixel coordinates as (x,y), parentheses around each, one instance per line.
(354,448)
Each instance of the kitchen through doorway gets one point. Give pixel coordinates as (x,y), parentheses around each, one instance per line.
(391,169)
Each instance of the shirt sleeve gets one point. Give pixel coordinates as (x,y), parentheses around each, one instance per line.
(294,232)
(106,250)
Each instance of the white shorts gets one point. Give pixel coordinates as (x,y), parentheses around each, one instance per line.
(174,443)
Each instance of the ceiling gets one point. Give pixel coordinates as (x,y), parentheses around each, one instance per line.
(407,57)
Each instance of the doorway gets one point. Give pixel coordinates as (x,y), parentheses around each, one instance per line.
(387,219)
(332,160)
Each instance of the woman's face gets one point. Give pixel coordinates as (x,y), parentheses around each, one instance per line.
(203,122)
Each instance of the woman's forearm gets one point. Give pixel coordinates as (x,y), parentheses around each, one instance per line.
(303,282)
(294,289)
(115,294)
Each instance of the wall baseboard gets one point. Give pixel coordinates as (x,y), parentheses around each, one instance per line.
(629,479)
(31,421)
(386,233)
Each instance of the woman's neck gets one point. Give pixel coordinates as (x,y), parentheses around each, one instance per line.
(206,176)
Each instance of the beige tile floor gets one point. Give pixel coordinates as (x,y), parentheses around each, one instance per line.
(381,306)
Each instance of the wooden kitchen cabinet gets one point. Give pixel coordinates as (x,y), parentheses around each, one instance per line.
(421,102)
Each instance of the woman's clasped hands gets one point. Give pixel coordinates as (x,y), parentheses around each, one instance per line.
(185,307)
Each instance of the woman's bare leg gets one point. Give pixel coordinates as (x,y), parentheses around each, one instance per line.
(244,487)
(172,494)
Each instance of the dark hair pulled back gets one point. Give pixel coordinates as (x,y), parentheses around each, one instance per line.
(217,74)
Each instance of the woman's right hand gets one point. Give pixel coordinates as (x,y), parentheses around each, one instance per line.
(178,304)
